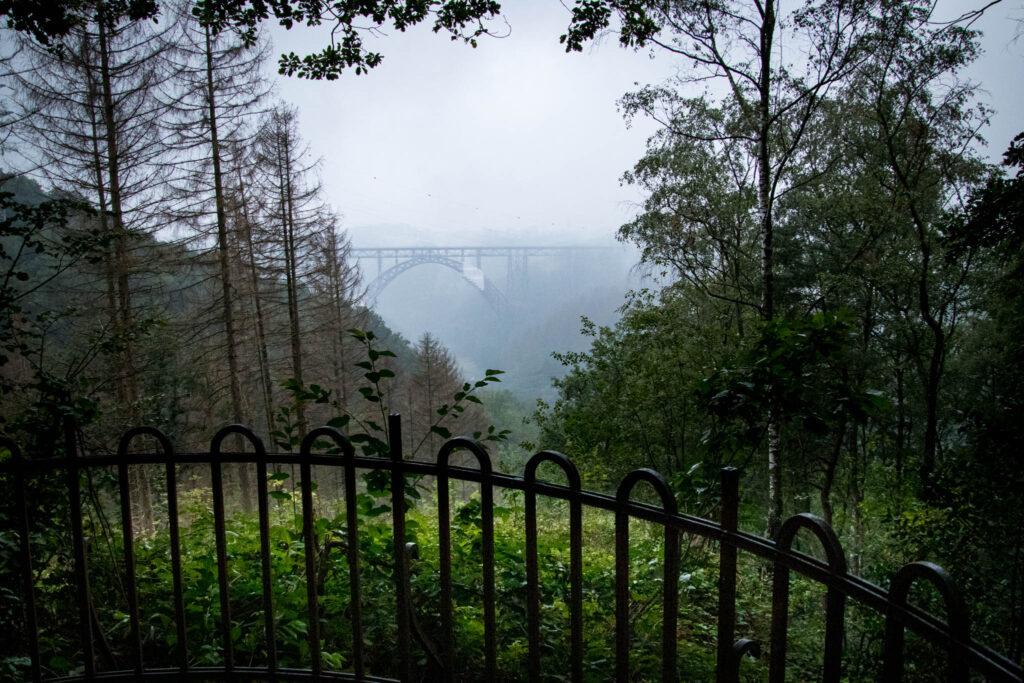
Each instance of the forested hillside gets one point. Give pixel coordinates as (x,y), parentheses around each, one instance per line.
(839,307)
(835,309)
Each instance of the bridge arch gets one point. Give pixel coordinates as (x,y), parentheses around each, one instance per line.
(494,296)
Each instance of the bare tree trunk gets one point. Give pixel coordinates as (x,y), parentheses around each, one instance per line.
(858,498)
(261,334)
(291,277)
(764,200)
(227,311)
(830,472)
(901,432)
(138,482)
(110,270)
(338,301)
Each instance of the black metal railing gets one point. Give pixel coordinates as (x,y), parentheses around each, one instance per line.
(966,657)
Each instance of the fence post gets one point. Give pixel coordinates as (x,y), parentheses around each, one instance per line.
(572,476)
(80,551)
(401,561)
(221,544)
(31,624)
(728,520)
(670,585)
(835,601)
(309,540)
(957,617)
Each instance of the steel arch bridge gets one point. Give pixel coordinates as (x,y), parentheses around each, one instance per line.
(494,296)
(467,261)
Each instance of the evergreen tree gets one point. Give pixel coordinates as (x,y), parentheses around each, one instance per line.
(218,87)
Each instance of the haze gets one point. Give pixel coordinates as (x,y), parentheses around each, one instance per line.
(516,141)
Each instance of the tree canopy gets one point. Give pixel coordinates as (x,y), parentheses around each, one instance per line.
(349,20)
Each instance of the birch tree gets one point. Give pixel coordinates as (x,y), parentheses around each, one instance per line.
(775,70)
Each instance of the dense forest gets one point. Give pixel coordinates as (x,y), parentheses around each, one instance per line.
(836,309)
(189,264)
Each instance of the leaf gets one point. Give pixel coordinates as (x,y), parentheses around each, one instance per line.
(443,432)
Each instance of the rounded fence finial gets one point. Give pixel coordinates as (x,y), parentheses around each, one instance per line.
(340,440)
(572,475)
(155,432)
(834,554)
(466,443)
(835,609)
(957,618)
(652,477)
(240,430)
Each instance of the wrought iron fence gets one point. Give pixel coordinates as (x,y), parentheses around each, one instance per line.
(966,658)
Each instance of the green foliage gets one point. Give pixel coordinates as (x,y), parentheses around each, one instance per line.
(369,432)
(49,21)
(793,370)
(591,17)
(41,238)
(288,585)
(628,402)
(459,20)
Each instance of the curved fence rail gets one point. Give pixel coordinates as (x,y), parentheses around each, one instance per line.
(966,657)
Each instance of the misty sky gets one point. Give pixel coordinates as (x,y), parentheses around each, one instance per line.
(516,141)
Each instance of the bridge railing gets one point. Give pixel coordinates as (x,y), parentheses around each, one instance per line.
(966,658)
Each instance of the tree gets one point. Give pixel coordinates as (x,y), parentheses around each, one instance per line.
(293,205)
(217,89)
(94,131)
(434,379)
(920,135)
(244,212)
(772,104)
(697,219)
(982,477)
(337,285)
(628,401)
(50,21)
